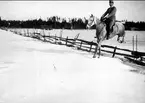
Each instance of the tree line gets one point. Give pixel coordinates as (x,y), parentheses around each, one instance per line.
(56,22)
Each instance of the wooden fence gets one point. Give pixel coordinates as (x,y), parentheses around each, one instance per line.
(89,46)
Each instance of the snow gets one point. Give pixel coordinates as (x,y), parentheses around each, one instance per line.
(32,71)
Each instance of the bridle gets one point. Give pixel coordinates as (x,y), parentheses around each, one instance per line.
(91,22)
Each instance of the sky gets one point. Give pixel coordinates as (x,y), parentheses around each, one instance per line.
(24,10)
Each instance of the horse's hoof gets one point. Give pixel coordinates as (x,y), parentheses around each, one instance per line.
(94,56)
(121,41)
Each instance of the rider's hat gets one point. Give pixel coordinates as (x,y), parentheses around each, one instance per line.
(91,15)
(111,1)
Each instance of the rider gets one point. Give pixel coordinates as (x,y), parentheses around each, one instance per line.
(109,17)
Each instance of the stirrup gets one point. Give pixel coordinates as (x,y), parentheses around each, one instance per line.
(107,36)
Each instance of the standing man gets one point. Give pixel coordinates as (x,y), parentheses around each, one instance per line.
(109,17)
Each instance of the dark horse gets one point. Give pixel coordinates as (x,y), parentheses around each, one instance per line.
(101,33)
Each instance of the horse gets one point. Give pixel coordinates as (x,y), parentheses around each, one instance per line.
(101,32)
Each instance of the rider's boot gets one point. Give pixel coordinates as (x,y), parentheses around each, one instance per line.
(109,32)
(107,36)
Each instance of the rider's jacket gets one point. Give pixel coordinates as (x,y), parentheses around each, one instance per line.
(111,13)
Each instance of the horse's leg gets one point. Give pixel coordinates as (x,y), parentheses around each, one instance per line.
(99,47)
(123,34)
(123,39)
(99,51)
(94,56)
(118,38)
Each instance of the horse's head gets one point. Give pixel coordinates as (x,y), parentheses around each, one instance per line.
(92,21)
(100,27)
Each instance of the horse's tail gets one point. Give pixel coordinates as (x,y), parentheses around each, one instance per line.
(123,34)
(124,30)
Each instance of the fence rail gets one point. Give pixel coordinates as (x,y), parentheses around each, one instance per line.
(82,44)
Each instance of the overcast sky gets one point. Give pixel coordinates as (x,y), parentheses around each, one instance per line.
(23,10)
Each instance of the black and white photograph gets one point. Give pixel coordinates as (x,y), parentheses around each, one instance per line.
(69,51)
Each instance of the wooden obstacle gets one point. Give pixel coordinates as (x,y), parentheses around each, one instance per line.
(89,46)
(137,57)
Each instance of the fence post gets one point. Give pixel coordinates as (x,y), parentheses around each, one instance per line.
(60,37)
(24,33)
(136,42)
(49,36)
(114,51)
(43,32)
(136,45)
(61,34)
(66,40)
(81,44)
(90,47)
(27,32)
(133,43)
(55,38)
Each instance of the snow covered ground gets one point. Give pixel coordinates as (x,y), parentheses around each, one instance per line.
(35,72)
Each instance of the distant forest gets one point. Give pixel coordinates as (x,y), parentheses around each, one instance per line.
(56,22)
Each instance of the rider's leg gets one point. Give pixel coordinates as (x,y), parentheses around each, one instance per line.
(111,24)
(107,29)
(110,27)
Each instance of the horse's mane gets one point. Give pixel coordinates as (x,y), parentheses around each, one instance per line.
(99,25)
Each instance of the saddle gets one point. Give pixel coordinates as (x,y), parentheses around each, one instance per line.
(111,30)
